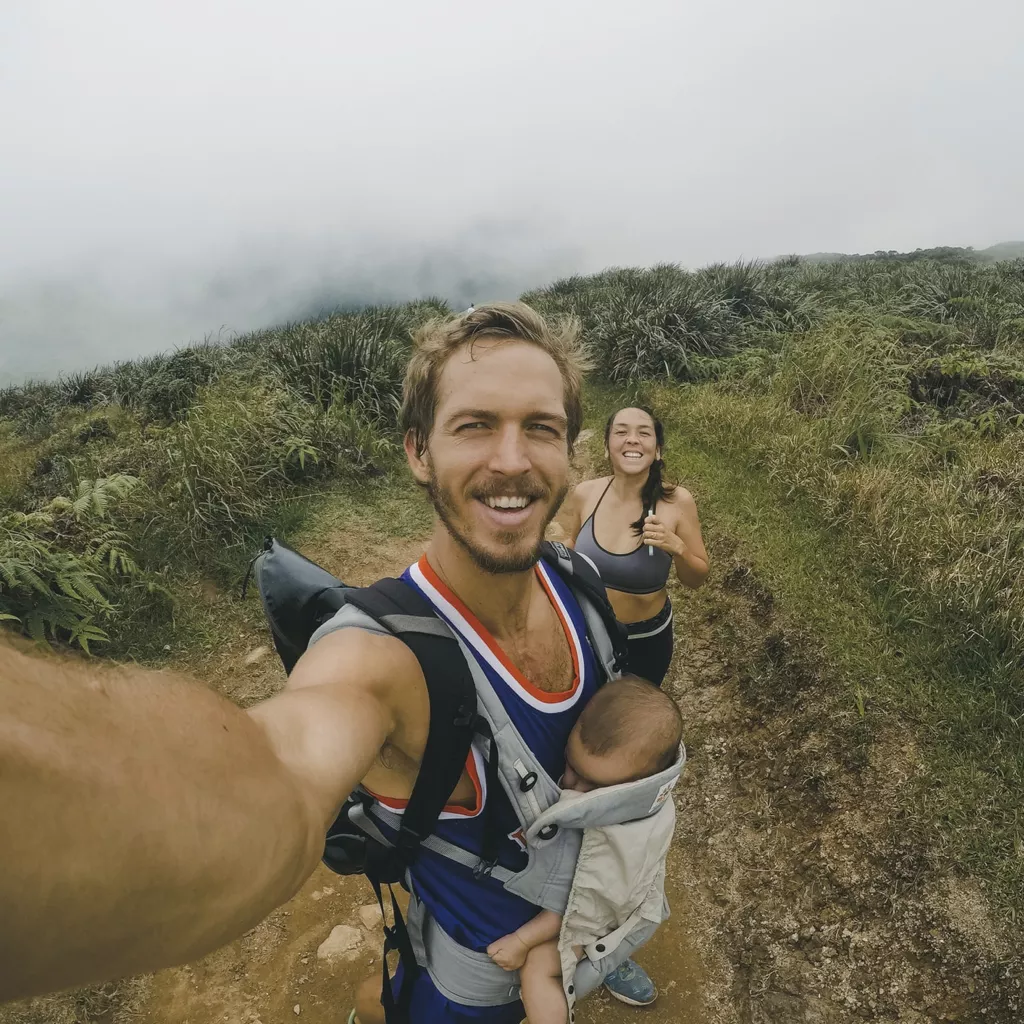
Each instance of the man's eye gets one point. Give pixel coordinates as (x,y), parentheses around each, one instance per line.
(545,427)
(475,425)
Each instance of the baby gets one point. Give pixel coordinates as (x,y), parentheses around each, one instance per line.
(629,730)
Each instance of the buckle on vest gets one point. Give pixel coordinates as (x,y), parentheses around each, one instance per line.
(484,868)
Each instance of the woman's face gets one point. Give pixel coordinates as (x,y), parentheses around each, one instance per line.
(632,445)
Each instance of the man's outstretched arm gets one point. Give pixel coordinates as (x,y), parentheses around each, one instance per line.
(144,820)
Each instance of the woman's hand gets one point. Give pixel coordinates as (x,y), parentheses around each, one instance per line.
(509,952)
(658,535)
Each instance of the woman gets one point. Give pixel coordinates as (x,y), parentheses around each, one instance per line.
(635,527)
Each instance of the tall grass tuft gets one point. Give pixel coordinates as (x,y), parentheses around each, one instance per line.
(359,358)
(672,324)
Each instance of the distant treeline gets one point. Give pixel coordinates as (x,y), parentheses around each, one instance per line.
(940,254)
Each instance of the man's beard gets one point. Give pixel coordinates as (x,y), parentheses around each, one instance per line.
(510,559)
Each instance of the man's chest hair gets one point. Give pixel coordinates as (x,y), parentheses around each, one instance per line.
(542,655)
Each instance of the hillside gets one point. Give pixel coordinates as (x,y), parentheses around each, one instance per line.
(943,254)
(850,842)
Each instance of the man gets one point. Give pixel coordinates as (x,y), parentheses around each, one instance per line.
(147,821)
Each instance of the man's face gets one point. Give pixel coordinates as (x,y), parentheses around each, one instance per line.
(497,460)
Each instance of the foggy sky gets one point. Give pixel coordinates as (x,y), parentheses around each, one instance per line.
(171,171)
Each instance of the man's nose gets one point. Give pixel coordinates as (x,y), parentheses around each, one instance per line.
(509,456)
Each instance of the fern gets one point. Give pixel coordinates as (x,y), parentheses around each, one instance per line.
(60,566)
(95,496)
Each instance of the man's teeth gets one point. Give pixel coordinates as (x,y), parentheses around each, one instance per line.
(507,502)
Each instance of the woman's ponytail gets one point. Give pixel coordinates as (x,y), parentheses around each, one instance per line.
(654,490)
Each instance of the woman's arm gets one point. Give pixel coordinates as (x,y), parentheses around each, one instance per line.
(691,561)
(684,543)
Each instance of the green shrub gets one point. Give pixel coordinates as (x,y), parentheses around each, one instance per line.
(669,323)
(214,479)
(831,422)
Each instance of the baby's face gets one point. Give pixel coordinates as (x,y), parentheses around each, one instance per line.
(585,771)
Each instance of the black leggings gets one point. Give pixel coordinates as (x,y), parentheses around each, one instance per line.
(650,645)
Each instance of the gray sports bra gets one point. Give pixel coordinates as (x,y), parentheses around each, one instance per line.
(635,572)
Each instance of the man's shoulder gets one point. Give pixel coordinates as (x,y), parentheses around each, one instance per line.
(348,617)
(352,648)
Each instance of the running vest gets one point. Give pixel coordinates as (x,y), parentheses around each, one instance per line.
(455,911)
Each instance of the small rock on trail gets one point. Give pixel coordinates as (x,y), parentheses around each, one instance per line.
(370,916)
(342,944)
(257,654)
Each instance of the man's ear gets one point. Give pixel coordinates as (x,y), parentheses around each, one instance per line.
(417,461)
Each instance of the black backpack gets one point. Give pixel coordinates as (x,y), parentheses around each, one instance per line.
(298,597)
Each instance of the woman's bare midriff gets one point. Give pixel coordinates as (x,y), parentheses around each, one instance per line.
(636,607)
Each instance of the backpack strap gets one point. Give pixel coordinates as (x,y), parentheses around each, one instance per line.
(453,715)
(606,634)
(453,723)
(298,596)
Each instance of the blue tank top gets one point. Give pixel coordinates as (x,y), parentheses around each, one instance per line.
(473,911)
(636,572)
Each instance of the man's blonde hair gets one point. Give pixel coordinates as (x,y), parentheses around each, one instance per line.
(436,341)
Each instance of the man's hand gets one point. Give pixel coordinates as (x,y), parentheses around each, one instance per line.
(509,952)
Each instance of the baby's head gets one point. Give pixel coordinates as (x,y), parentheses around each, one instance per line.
(630,729)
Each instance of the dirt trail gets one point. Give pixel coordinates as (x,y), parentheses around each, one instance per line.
(796,893)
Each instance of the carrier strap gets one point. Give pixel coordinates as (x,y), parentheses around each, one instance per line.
(453,723)
(432,842)
(396,939)
(606,634)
